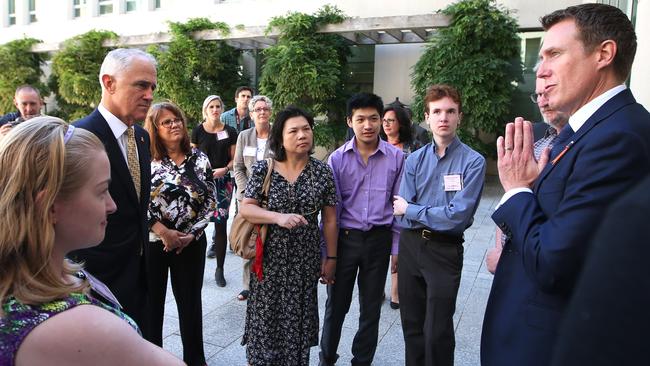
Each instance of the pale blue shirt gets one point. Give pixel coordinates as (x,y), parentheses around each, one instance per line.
(423,187)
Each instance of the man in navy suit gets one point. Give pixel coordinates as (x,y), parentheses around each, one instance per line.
(550,210)
(128,79)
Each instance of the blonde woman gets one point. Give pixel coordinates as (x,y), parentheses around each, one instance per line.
(55,201)
(217,140)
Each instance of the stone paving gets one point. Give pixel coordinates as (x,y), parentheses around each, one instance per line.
(223,314)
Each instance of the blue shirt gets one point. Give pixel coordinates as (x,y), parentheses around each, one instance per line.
(234,120)
(423,187)
(365,191)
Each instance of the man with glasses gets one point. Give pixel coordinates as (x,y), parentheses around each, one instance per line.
(238,117)
(553,123)
(367,173)
(440,191)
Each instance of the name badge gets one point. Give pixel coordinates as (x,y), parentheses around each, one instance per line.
(222,135)
(250,151)
(453,182)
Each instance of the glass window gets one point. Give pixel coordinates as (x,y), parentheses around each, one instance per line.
(32,11)
(105,7)
(156,4)
(131,5)
(12,11)
(78,8)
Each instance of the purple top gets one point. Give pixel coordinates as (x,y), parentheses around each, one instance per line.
(19,319)
(365,192)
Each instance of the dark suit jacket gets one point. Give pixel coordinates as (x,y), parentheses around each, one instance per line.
(549,231)
(607,320)
(118,260)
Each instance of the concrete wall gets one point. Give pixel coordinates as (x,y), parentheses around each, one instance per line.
(393,67)
(56,23)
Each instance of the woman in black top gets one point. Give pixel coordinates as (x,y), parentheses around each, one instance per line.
(218,140)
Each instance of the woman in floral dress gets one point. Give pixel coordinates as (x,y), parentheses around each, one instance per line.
(282,312)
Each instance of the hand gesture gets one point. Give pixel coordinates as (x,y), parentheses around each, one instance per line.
(515,159)
(290,221)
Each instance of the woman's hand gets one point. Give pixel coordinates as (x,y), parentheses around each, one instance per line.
(328,270)
(219,172)
(290,221)
(171,239)
(186,239)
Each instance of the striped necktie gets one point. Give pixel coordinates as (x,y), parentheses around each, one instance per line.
(132,159)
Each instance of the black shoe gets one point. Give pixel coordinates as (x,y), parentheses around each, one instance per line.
(218,277)
(211,252)
(243,295)
(394,305)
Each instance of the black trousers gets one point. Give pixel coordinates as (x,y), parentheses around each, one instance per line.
(368,253)
(186,270)
(429,277)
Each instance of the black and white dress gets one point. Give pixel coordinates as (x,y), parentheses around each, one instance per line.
(282,312)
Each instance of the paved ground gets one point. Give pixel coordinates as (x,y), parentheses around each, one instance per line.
(223,314)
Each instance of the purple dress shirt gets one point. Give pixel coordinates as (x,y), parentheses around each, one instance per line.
(365,192)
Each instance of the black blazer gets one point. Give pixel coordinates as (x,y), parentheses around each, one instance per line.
(118,260)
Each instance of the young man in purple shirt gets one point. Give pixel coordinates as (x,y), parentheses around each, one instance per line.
(367,173)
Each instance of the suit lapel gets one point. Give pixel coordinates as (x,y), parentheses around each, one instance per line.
(144,159)
(115,156)
(605,111)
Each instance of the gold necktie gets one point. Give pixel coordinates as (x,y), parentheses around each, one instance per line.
(132,159)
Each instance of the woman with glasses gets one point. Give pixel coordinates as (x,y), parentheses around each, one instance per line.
(56,201)
(398,131)
(282,312)
(182,203)
(252,146)
(217,140)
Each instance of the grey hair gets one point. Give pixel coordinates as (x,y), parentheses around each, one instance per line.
(120,59)
(258,98)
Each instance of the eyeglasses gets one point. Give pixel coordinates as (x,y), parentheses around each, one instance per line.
(262,109)
(535,97)
(169,123)
(388,121)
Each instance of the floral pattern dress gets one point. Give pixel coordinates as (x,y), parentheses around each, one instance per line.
(282,313)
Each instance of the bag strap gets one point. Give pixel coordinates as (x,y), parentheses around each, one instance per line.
(267,181)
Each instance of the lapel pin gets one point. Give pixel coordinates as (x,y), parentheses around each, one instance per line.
(141,139)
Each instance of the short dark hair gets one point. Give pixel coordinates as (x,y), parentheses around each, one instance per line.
(597,23)
(158,149)
(439,91)
(275,138)
(364,100)
(242,88)
(405,127)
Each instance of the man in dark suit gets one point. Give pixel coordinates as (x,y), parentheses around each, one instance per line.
(606,322)
(128,79)
(550,213)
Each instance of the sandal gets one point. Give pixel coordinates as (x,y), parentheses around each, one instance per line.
(243,295)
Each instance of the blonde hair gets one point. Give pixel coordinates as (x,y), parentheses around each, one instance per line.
(38,167)
(207,101)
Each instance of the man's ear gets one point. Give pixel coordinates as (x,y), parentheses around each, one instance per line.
(460,118)
(109,83)
(349,121)
(15,102)
(606,52)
